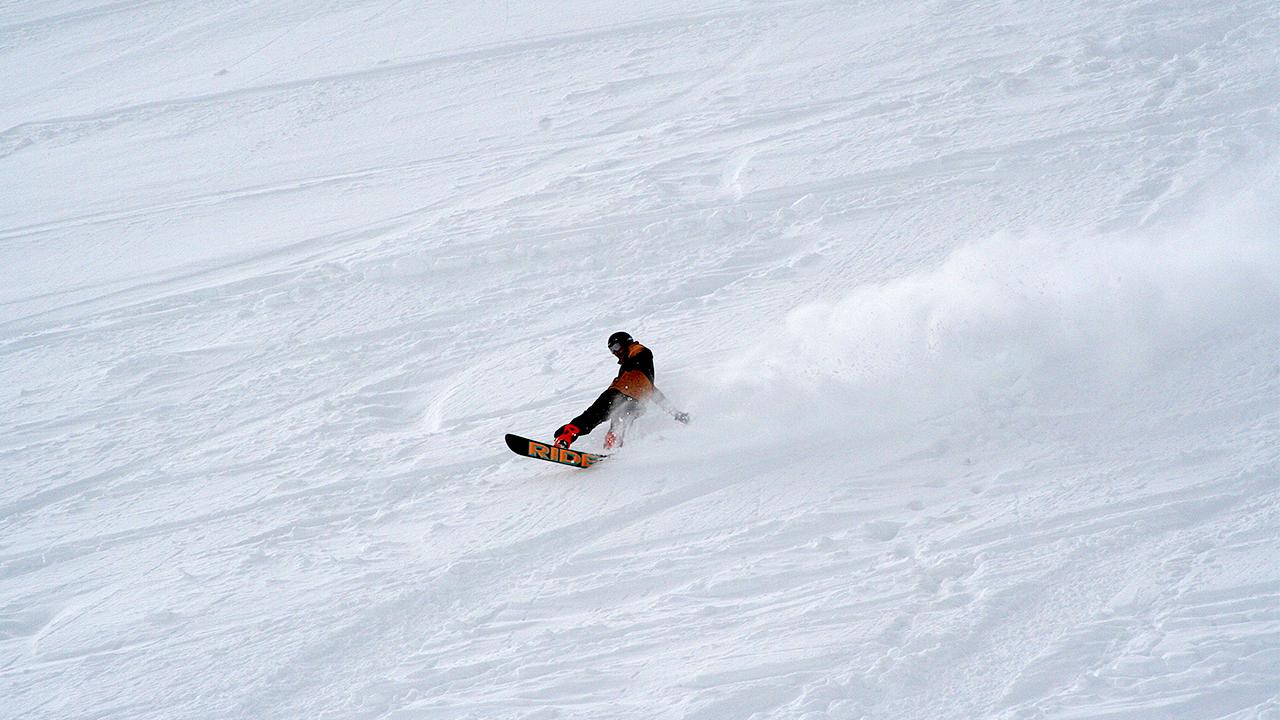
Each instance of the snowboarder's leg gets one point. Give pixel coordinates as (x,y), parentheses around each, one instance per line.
(624,413)
(602,409)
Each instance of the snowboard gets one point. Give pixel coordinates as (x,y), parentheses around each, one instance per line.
(551,453)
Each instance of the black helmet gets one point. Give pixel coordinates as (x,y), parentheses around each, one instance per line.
(619,340)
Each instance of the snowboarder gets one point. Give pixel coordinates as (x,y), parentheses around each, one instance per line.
(621,403)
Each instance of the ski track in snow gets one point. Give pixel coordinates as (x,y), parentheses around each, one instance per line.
(975,306)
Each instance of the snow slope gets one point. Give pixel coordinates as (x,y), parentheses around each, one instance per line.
(976,306)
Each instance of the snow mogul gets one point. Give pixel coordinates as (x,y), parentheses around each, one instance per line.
(623,401)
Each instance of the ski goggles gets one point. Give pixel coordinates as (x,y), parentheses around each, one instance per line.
(615,347)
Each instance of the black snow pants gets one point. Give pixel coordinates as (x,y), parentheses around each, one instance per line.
(620,410)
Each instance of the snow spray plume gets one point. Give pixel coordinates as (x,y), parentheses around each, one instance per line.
(1037,323)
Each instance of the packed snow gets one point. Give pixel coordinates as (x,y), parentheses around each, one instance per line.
(975,306)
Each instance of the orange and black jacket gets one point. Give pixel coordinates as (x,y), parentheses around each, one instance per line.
(635,377)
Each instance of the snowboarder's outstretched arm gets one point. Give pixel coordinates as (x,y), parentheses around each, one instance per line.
(661,401)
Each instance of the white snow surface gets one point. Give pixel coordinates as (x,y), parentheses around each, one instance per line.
(975,305)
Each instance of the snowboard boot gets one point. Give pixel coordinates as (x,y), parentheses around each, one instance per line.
(566,435)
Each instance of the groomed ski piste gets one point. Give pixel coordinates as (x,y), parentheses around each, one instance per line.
(975,306)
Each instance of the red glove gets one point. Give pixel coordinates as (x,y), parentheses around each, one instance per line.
(565,435)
